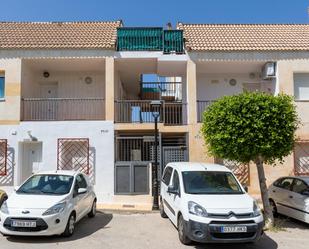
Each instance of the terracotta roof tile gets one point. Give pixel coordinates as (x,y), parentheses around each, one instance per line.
(58,35)
(240,37)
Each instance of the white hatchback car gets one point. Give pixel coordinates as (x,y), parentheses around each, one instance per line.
(48,203)
(208,204)
(290,196)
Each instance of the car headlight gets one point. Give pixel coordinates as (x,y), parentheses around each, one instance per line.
(256,209)
(196,209)
(58,208)
(4,208)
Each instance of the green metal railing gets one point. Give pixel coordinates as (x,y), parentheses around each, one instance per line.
(149,39)
(173,41)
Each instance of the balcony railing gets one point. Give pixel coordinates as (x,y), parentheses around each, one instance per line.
(149,39)
(139,111)
(60,109)
(201,107)
(168,91)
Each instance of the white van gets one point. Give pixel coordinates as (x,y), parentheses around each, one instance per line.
(208,204)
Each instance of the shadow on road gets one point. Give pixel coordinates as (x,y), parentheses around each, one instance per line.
(84,228)
(287,222)
(265,242)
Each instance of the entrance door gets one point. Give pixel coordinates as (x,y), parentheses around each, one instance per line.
(31,157)
(49,90)
(49,105)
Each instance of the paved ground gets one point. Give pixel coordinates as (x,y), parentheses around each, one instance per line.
(139,231)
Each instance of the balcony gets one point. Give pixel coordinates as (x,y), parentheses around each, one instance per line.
(61,109)
(139,111)
(150,39)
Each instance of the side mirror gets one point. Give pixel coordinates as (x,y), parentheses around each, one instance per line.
(81,191)
(245,188)
(172,190)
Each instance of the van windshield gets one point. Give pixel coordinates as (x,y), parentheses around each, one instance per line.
(210,182)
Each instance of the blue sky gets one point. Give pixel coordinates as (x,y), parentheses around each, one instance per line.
(157,12)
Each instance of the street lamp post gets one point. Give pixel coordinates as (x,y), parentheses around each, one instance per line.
(156,107)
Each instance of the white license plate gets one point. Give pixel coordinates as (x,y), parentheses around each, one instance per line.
(23,223)
(234,229)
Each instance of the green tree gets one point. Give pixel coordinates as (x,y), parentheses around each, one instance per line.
(254,127)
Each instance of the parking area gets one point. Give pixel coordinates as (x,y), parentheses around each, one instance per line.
(134,231)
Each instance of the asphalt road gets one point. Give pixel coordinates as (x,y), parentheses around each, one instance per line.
(126,231)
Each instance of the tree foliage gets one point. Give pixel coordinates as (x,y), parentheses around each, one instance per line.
(247,126)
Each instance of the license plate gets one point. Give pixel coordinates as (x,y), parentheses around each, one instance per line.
(234,229)
(22,223)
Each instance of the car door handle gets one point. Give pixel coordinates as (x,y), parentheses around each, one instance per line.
(290,196)
(274,191)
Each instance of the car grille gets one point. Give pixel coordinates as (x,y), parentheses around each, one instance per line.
(40,225)
(229,215)
(233,235)
(232,222)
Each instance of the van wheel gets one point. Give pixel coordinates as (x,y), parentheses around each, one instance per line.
(162,212)
(273,208)
(93,211)
(69,230)
(182,233)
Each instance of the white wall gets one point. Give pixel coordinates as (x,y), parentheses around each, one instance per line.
(213,86)
(101,138)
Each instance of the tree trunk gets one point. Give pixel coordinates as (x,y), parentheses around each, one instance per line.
(268,215)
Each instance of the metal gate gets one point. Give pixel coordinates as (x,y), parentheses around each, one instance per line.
(241,171)
(174,154)
(3,157)
(73,154)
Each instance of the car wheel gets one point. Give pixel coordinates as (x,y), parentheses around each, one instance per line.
(93,211)
(182,233)
(273,208)
(162,212)
(69,230)
(3,198)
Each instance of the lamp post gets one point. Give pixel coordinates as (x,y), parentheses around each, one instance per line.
(155,106)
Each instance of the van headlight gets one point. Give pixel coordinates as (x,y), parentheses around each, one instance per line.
(58,208)
(256,209)
(4,208)
(196,209)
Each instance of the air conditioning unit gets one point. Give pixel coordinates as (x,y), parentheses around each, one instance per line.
(269,70)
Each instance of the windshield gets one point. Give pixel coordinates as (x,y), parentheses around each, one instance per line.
(47,184)
(210,182)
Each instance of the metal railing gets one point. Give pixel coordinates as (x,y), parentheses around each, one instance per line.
(149,39)
(59,109)
(201,107)
(139,111)
(168,91)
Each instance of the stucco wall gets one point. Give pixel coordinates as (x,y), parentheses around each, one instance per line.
(286,70)
(101,138)
(213,86)
(70,84)
(10,105)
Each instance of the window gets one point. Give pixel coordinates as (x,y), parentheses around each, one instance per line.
(301,86)
(81,181)
(299,186)
(47,185)
(167,175)
(285,183)
(131,178)
(2,86)
(176,184)
(210,182)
